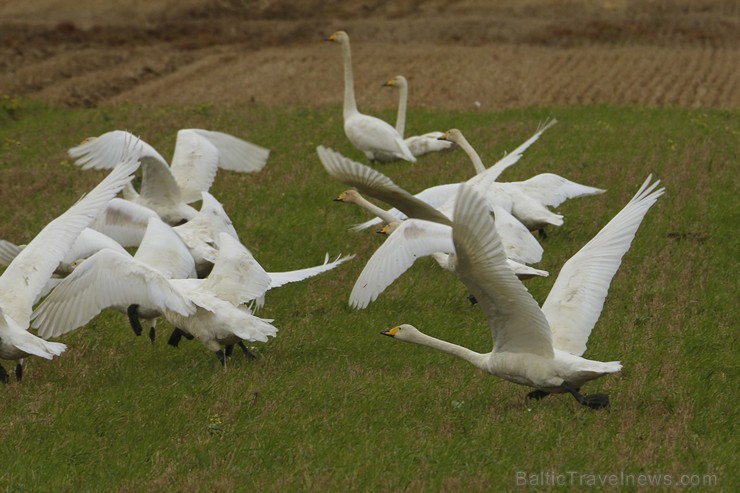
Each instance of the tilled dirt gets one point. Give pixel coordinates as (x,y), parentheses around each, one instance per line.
(456,54)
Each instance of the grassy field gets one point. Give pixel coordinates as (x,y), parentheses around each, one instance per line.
(330,405)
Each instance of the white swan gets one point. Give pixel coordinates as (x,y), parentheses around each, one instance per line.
(533,346)
(30,270)
(418,144)
(169,189)
(377,139)
(210,309)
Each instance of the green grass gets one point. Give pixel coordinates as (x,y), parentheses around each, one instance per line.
(330,405)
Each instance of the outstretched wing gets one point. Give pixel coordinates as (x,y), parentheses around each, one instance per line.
(577,297)
(516,321)
(107,150)
(375,184)
(234,153)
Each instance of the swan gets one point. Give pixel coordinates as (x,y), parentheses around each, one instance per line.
(533,346)
(212,309)
(377,139)
(28,272)
(438,195)
(418,144)
(169,189)
(527,200)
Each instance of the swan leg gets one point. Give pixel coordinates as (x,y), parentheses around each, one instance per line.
(221,357)
(472,299)
(247,353)
(537,394)
(594,401)
(133,318)
(3,375)
(152,334)
(19,370)
(229,350)
(542,233)
(175,337)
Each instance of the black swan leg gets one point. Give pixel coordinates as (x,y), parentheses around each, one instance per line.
(3,375)
(229,350)
(133,318)
(152,334)
(537,394)
(594,401)
(221,357)
(247,353)
(175,337)
(542,233)
(19,370)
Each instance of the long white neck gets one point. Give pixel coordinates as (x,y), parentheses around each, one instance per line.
(472,154)
(403,99)
(374,209)
(476,359)
(350,105)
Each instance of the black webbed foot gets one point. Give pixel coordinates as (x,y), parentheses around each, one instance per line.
(537,394)
(594,401)
(133,318)
(175,337)
(247,353)
(472,299)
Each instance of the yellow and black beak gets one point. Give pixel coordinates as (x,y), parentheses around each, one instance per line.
(389,332)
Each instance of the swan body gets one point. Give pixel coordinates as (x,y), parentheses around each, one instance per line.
(28,273)
(168,189)
(533,346)
(417,144)
(377,139)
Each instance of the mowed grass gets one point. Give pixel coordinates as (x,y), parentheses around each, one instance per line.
(330,405)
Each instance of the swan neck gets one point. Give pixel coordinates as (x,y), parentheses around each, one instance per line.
(375,210)
(472,154)
(403,99)
(476,359)
(350,105)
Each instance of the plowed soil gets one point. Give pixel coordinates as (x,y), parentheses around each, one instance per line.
(456,54)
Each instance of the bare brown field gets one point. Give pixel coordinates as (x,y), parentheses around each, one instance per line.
(456,54)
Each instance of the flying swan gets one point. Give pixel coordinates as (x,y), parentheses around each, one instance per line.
(533,346)
(30,270)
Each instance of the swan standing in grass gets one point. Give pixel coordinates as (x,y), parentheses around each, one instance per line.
(169,189)
(377,139)
(418,144)
(533,346)
(213,310)
(30,270)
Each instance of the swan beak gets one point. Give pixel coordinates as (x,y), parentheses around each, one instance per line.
(389,332)
(340,197)
(332,37)
(387,83)
(444,137)
(384,230)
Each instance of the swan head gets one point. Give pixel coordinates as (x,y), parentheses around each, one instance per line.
(351,196)
(403,332)
(452,135)
(398,81)
(389,228)
(340,37)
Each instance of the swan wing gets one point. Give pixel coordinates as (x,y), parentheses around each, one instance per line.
(375,184)
(236,276)
(194,164)
(516,321)
(552,190)
(577,297)
(411,240)
(105,151)
(162,249)
(106,279)
(519,243)
(124,221)
(514,156)
(281,278)
(88,242)
(373,135)
(8,251)
(29,272)
(234,153)
(435,196)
